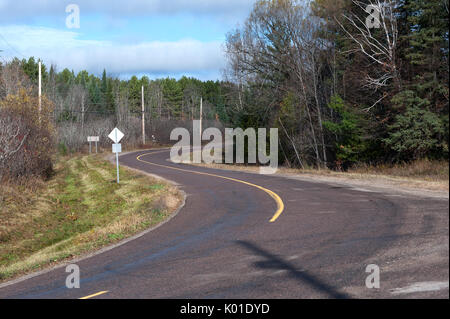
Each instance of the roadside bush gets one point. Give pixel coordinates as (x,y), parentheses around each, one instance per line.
(26,136)
(62,149)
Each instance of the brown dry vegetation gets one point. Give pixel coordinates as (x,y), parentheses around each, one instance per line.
(26,136)
(424,169)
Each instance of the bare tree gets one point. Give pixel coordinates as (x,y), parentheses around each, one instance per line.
(376,36)
(13,135)
(12,78)
(279,48)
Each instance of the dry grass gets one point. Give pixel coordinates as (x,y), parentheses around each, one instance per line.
(422,169)
(419,175)
(79,210)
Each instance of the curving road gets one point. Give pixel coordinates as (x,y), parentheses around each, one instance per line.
(244,235)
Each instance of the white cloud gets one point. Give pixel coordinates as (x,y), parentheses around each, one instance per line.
(66,49)
(14,10)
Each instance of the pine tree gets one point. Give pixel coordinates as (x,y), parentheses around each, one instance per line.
(427,50)
(134,94)
(173,94)
(347,131)
(417,132)
(104,91)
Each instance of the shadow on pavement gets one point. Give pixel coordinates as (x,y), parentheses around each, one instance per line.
(274,262)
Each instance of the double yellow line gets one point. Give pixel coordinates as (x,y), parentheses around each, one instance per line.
(280,204)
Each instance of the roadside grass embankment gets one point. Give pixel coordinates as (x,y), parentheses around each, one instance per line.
(428,175)
(79,210)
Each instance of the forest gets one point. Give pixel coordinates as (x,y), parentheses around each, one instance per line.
(341,91)
(342,87)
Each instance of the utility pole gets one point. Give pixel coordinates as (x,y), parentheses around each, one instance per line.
(201,117)
(82,114)
(143,117)
(40,91)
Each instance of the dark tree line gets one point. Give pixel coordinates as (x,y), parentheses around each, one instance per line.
(339,91)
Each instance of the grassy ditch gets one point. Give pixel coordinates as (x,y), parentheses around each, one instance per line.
(79,210)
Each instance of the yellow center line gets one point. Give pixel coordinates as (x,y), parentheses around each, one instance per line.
(95,295)
(272,194)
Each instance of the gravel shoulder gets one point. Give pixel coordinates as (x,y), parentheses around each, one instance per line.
(363,182)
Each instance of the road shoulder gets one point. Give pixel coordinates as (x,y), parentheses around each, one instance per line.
(368,183)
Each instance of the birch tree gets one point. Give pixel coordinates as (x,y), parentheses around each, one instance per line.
(373,28)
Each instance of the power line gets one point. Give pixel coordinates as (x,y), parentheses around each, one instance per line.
(8,44)
(3,59)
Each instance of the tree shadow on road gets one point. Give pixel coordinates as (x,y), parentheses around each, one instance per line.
(277,263)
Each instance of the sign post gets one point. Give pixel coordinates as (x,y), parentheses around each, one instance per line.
(91,139)
(116,135)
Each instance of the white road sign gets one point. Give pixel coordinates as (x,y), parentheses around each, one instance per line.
(116,135)
(93,139)
(117,148)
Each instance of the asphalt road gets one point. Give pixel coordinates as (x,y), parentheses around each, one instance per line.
(228,242)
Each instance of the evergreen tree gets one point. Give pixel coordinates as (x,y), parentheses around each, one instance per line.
(427,50)
(95,95)
(347,131)
(173,94)
(134,94)
(417,132)
(31,69)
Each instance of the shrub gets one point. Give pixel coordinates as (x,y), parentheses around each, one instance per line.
(417,132)
(62,149)
(26,136)
(349,144)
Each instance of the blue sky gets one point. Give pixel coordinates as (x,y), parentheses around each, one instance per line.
(143,37)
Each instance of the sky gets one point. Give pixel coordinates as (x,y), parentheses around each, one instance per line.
(157,38)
